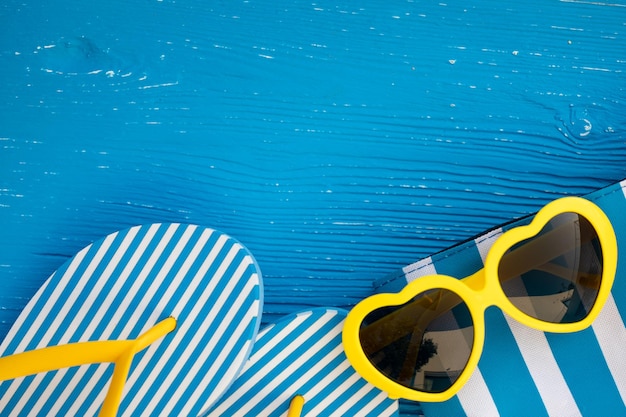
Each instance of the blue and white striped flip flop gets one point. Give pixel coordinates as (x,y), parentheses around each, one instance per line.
(116,289)
(302,354)
(526,372)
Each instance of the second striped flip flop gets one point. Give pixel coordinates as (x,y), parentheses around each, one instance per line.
(301,357)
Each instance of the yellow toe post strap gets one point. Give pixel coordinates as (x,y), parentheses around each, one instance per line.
(120,352)
(295,406)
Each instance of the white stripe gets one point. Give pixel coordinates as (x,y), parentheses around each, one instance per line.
(119,282)
(544,370)
(475,397)
(485,242)
(419,269)
(86,394)
(273,364)
(180,332)
(611,334)
(263,332)
(623,185)
(179,278)
(289,369)
(87,302)
(14,385)
(69,302)
(201,276)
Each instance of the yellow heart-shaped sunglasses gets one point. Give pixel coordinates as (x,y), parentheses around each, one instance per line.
(553,275)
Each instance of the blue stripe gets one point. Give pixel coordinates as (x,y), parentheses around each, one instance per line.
(88,286)
(148,306)
(329,366)
(138,302)
(612,203)
(582,363)
(505,372)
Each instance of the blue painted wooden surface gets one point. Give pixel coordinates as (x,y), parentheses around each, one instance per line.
(337,141)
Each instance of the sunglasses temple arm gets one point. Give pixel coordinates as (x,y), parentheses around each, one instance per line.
(120,352)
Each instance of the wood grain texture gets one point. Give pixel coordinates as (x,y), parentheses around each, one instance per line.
(337,142)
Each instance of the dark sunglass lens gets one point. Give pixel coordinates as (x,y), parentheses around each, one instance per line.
(555,276)
(424,344)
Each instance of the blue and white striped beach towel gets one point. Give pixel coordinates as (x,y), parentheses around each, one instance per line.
(525,372)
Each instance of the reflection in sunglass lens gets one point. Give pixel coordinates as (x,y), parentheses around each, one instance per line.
(555,276)
(424,344)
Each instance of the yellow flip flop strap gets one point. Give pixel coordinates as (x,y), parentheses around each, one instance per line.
(295,406)
(120,352)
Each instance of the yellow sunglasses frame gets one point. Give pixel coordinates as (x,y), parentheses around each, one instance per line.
(480,291)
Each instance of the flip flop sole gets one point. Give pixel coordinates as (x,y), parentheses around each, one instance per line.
(302,354)
(117,288)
